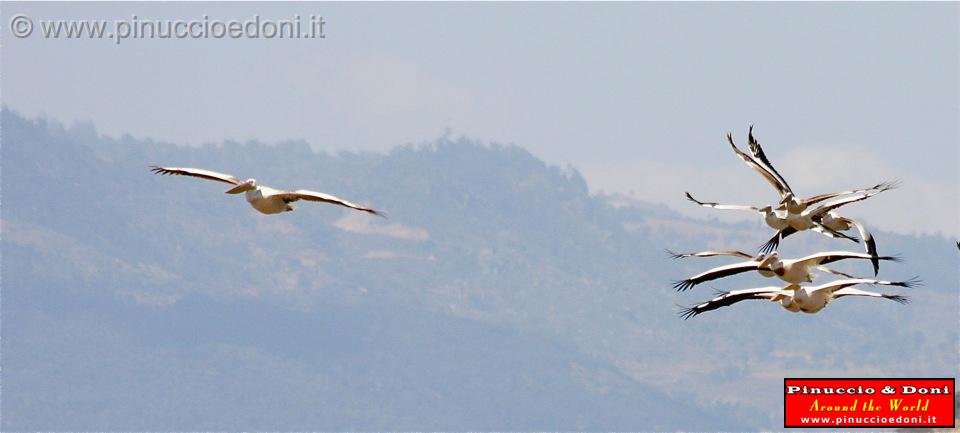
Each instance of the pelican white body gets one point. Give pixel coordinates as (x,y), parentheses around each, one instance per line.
(806,300)
(266,200)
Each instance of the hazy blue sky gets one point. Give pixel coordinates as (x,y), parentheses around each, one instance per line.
(636,96)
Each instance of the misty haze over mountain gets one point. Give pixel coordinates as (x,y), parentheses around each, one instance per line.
(500,294)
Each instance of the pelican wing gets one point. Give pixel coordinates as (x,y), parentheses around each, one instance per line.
(195,172)
(827,196)
(830,233)
(830,195)
(825,257)
(821,210)
(834,272)
(758,153)
(303,194)
(868,242)
(767,174)
(718,272)
(729,298)
(834,286)
(722,206)
(850,291)
(710,254)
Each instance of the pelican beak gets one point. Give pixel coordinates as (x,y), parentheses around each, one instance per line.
(246,186)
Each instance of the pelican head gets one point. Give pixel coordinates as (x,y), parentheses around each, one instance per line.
(247,185)
(770,260)
(773,263)
(788,303)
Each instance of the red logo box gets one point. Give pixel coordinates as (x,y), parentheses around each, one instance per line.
(869,402)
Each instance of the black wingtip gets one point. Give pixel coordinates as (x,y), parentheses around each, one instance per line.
(683,285)
(688,312)
(912,282)
(902,299)
(770,246)
(896,258)
(159,170)
(673,255)
(886,186)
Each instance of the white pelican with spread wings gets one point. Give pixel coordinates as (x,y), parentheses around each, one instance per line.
(793,271)
(795,298)
(264,199)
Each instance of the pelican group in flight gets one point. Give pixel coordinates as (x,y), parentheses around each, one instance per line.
(264,199)
(796,298)
(791,215)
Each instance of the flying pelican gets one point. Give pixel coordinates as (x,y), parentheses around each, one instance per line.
(792,271)
(788,200)
(795,298)
(766,272)
(777,219)
(264,199)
